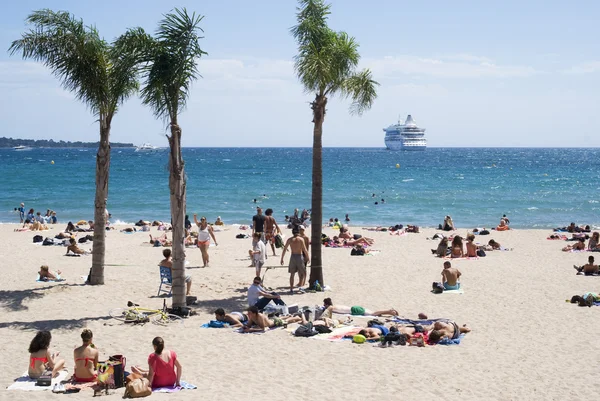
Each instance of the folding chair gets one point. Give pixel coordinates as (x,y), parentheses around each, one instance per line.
(166,279)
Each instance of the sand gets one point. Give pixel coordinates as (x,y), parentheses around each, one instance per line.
(526,343)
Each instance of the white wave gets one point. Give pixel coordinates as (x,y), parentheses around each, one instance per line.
(593,201)
(226,160)
(532,208)
(460,178)
(495,187)
(408,180)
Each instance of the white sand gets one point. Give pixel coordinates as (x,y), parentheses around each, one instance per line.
(526,344)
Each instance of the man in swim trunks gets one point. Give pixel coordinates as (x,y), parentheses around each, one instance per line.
(235,319)
(306,240)
(448,329)
(166,262)
(354,310)
(271,228)
(450,277)
(258,224)
(299,255)
(374,332)
(258,322)
(588,269)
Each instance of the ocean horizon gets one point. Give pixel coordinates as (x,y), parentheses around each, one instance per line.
(535,187)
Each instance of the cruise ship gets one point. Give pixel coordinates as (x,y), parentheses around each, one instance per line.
(405,136)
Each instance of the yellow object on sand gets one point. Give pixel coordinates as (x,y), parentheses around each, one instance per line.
(81,222)
(359,339)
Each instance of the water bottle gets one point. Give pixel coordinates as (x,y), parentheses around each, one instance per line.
(318,286)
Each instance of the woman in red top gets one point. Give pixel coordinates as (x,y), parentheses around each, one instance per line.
(161,366)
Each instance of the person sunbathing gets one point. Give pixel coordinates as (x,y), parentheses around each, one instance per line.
(258,322)
(502,226)
(75,249)
(160,241)
(448,224)
(352,242)
(578,246)
(235,319)
(594,242)
(37,226)
(471,247)
(495,246)
(86,359)
(46,274)
(456,250)
(588,269)
(40,359)
(450,330)
(374,332)
(450,276)
(442,248)
(353,310)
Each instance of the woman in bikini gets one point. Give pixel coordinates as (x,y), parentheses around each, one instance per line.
(471,247)
(457,247)
(40,359)
(594,242)
(205,232)
(86,359)
(161,366)
(46,274)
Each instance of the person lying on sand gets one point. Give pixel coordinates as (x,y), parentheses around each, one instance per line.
(352,242)
(258,322)
(353,310)
(578,246)
(588,269)
(160,241)
(75,249)
(235,319)
(374,332)
(437,331)
(450,277)
(46,274)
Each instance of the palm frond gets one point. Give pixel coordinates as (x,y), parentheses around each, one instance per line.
(362,89)
(74,53)
(312,23)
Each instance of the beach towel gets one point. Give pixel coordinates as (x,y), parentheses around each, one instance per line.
(558,237)
(215,324)
(58,278)
(241,331)
(459,291)
(338,333)
(25,383)
(422,322)
(173,389)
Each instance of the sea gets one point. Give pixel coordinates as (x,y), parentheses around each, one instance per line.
(534,187)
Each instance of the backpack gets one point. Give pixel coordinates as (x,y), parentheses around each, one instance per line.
(375,322)
(278,241)
(319,328)
(480,252)
(82,240)
(37,238)
(437,288)
(48,241)
(484,232)
(357,251)
(305,330)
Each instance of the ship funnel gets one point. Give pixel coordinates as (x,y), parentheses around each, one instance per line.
(410,121)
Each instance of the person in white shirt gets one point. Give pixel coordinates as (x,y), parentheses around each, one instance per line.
(255,292)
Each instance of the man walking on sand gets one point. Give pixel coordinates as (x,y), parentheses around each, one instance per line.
(306,241)
(299,254)
(271,229)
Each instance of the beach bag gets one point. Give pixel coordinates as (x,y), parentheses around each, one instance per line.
(37,238)
(375,322)
(106,374)
(278,241)
(321,329)
(48,241)
(44,380)
(437,288)
(118,363)
(484,232)
(357,251)
(82,240)
(138,388)
(305,330)
(480,253)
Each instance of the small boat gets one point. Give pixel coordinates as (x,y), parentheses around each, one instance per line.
(21,147)
(146,147)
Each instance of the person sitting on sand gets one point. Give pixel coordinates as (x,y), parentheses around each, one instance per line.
(448,224)
(456,250)
(86,359)
(471,247)
(37,226)
(450,276)
(47,275)
(502,226)
(577,246)
(235,319)
(588,269)
(40,359)
(258,322)
(353,310)
(594,242)
(164,369)
(442,248)
(219,222)
(257,296)
(70,227)
(495,245)
(166,262)
(75,249)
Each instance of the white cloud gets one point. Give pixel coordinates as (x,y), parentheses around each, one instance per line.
(460,66)
(584,68)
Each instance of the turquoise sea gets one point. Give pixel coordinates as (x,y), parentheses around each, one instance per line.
(535,187)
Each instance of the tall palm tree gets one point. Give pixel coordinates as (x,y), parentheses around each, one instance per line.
(326,66)
(99,77)
(169,66)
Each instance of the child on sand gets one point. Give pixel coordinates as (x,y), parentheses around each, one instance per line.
(257,253)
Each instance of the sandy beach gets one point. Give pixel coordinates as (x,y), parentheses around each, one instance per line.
(527,343)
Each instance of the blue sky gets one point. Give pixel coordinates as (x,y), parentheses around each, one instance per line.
(472,73)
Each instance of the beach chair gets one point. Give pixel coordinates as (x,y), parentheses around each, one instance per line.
(165,279)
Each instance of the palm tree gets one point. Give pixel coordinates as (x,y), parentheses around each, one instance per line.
(169,65)
(326,66)
(99,77)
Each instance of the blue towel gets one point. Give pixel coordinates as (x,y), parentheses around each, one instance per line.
(215,324)
(448,341)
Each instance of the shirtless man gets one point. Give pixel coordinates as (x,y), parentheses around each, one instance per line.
(235,319)
(450,277)
(437,331)
(374,332)
(166,262)
(471,247)
(588,269)
(306,241)
(271,229)
(353,310)
(258,322)
(75,249)
(299,255)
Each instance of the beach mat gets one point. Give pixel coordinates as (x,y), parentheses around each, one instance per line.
(25,383)
(173,389)
(459,291)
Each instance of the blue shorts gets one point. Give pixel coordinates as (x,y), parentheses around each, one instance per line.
(451,287)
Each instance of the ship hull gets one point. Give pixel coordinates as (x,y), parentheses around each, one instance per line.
(399,145)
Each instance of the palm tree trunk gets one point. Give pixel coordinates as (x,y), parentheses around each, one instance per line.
(102,173)
(316,267)
(177,187)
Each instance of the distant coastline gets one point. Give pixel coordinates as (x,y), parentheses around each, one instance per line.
(50,143)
